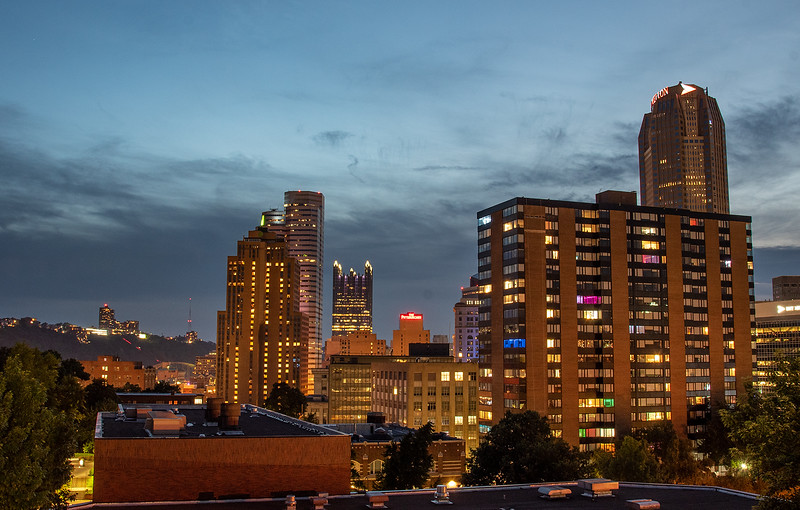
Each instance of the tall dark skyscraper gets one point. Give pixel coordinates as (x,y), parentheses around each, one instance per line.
(352,300)
(682,158)
(301,224)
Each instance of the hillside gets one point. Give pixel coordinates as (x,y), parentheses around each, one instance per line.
(128,347)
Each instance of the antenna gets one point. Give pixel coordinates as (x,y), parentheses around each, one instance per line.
(190,314)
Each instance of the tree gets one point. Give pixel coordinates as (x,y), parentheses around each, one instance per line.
(286,399)
(130,388)
(764,431)
(40,404)
(675,460)
(632,461)
(522,449)
(408,462)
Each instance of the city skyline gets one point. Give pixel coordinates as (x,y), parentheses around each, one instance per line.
(137,145)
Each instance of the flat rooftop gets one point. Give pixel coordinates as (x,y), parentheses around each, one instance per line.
(253,422)
(518,497)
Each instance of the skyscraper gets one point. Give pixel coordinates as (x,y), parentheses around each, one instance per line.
(261,335)
(352,300)
(682,158)
(302,227)
(465,339)
(607,317)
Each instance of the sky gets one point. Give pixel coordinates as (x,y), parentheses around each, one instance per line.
(139,141)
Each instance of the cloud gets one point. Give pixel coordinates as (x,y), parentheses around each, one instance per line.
(331,138)
(446,168)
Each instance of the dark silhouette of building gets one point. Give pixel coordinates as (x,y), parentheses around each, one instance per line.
(465,339)
(607,317)
(352,300)
(785,287)
(682,157)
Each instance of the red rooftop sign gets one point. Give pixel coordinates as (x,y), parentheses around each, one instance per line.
(411,316)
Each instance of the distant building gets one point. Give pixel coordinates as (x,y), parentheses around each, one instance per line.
(153,453)
(682,156)
(175,398)
(106,319)
(465,339)
(785,288)
(352,300)
(430,350)
(607,316)
(302,226)
(262,337)
(117,373)
(204,374)
(413,393)
(358,343)
(777,334)
(411,330)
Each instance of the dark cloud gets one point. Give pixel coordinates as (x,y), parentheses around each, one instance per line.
(331,138)
(763,135)
(446,168)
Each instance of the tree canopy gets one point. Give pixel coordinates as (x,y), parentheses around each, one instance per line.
(40,404)
(408,462)
(522,449)
(286,399)
(764,431)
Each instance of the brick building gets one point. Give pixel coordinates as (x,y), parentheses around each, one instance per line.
(117,373)
(152,453)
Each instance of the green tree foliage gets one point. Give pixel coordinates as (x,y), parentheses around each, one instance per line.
(715,442)
(286,399)
(522,449)
(631,461)
(40,403)
(130,388)
(408,462)
(764,429)
(676,464)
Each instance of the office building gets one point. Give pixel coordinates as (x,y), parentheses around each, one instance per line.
(785,288)
(413,392)
(352,300)
(261,335)
(682,157)
(301,224)
(154,452)
(777,334)
(411,330)
(359,343)
(106,318)
(573,320)
(465,339)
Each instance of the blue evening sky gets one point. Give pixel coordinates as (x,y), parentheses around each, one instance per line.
(140,140)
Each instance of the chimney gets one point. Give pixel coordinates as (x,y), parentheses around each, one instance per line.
(229,418)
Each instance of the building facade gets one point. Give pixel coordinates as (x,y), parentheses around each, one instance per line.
(301,224)
(777,334)
(574,320)
(117,373)
(411,330)
(785,288)
(682,156)
(352,300)
(261,335)
(359,343)
(465,338)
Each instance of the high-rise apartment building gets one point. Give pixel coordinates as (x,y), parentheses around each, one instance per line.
(607,317)
(261,335)
(465,339)
(682,158)
(357,343)
(352,300)
(302,226)
(777,335)
(411,331)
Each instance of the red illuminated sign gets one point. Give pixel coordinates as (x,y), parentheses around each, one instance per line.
(410,316)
